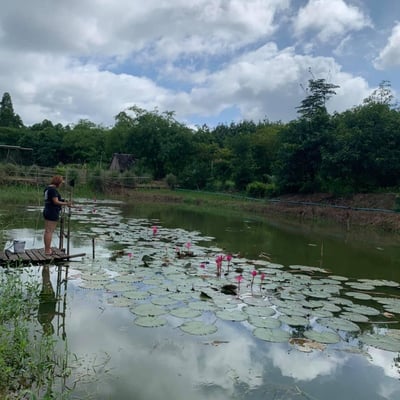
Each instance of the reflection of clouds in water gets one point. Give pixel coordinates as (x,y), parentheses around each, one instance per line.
(163,363)
(389,390)
(384,359)
(304,366)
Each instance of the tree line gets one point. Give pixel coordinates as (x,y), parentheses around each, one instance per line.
(354,151)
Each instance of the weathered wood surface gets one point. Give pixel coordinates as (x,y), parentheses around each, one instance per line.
(35,256)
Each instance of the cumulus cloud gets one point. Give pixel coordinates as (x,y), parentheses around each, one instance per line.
(329,19)
(93,59)
(389,57)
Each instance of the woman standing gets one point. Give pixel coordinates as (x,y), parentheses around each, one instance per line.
(51,212)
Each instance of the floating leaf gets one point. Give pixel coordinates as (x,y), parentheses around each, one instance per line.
(128,278)
(271,335)
(150,322)
(118,286)
(359,296)
(294,320)
(259,311)
(339,324)
(234,315)
(261,322)
(383,342)
(120,301)
(136,294)
(148,309)
(92,285)
(201,306)
(354,317)
(322,337)
(163,301)
(198,328)
(366,310)
(185,312)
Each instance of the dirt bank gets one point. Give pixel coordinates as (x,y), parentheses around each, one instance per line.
(374,211)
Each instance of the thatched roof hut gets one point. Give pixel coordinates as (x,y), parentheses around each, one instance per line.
(122,162)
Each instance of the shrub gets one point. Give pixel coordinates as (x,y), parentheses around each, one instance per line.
(171,181)
(257,189)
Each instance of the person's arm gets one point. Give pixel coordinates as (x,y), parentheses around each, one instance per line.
(60,203)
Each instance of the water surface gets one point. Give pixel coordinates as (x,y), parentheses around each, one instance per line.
(121,360)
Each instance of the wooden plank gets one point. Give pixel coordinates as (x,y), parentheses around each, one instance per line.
(36,256)
(33,255)
(12,256)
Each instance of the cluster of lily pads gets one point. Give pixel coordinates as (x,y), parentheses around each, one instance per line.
(173,276)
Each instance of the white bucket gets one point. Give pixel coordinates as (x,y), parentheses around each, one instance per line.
(19,246)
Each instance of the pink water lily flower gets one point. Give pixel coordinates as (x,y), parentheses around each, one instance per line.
(253,274)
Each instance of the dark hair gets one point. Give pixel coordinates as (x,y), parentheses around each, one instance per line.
(57,180)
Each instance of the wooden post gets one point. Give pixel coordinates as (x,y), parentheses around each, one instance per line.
(61,242)
(93,252)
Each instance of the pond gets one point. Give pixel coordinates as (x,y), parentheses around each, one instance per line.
(173,303)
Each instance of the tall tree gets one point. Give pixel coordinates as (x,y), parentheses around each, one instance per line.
(7,116)
(319,92)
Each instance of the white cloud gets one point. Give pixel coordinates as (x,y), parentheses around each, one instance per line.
(200,58)
(304,366)
(329,19)
(389,57)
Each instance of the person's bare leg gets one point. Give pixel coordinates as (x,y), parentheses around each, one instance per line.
(49,227)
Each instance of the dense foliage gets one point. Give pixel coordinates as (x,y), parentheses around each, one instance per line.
(357,150)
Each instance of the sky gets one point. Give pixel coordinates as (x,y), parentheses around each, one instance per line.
(209,61)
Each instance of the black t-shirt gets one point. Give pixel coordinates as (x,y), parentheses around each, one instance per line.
(51,211)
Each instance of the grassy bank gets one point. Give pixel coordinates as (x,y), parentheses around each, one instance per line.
(372,211)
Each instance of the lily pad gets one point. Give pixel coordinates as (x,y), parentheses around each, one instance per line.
(201,306)
(150,322)
(91,285)
(339,324)
(120,301)
(198,328)
(359,295)
(271,335)
(354,317)
(262,322)
(163,301)
(148,309)
(322,337)
(366,310)
(383,342)
(118,286)
(234,315)
(136,294)
(294,320)
(185,312)
(259,311)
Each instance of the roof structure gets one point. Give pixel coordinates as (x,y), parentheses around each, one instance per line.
(122,162)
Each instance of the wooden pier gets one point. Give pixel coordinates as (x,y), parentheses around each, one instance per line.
(35,256)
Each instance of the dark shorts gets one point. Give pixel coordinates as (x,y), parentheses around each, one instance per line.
(51,215)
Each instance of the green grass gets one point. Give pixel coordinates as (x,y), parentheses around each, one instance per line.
(28,361)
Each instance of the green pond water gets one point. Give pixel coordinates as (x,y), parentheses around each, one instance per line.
(146,318)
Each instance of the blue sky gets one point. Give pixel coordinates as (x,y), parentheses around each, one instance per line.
(209,61)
